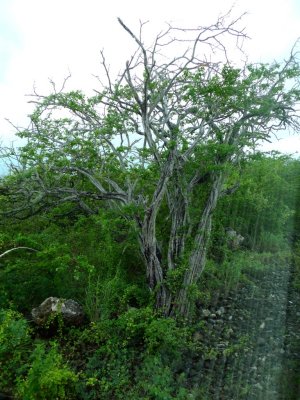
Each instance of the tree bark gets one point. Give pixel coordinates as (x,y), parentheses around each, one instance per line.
(148,240)
(182,304)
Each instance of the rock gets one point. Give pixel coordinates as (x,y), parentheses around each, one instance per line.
(258,386)
(262,325)
(228,333)
(234,239)
(220,311)
(206,313)
(70,311)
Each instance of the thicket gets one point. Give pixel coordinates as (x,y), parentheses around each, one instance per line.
(126,349)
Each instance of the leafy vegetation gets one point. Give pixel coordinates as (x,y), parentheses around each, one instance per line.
(127,348)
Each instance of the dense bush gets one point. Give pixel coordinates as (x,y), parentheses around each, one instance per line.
(15,348)
(48,377)
(128,350)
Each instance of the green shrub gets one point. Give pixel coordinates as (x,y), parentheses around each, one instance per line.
(270,242)
(221,278)
(296,262)
(124,350)
(107,375)
(155,380)
(163,335)
(48,377)
(14,348)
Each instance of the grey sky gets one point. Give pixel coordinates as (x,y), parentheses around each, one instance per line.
(47,39)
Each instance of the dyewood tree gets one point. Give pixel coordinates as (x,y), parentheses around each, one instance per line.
(151,139)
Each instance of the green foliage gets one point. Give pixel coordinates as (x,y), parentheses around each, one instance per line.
(163,336)
(107,375)
(263,207)
(98,254)
(115,295)
(128,351)
(296,264)
(15,347)
(236,269)
(156,381)
(48,377)
(123,352)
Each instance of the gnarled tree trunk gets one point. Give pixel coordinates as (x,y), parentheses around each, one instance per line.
(182,303)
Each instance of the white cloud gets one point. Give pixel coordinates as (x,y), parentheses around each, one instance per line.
(289,145)
(61,35)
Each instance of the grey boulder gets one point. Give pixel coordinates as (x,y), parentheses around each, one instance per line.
(69,310)
(234,239)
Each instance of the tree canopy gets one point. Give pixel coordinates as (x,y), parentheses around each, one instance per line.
(161,144)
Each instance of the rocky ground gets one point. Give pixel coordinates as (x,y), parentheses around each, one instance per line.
(290,380)
(250,342)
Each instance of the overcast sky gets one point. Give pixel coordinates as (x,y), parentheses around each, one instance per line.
(42,39)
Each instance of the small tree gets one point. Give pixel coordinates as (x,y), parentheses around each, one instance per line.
(160,136)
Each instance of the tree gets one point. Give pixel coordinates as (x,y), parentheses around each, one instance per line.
(159,142)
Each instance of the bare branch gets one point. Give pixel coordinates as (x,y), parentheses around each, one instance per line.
(17,248)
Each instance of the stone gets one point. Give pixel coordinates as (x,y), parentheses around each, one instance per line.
(258,386)
(220,311)
(228,333)
(234,239)
(206,313)
(71,312)
(262,325)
